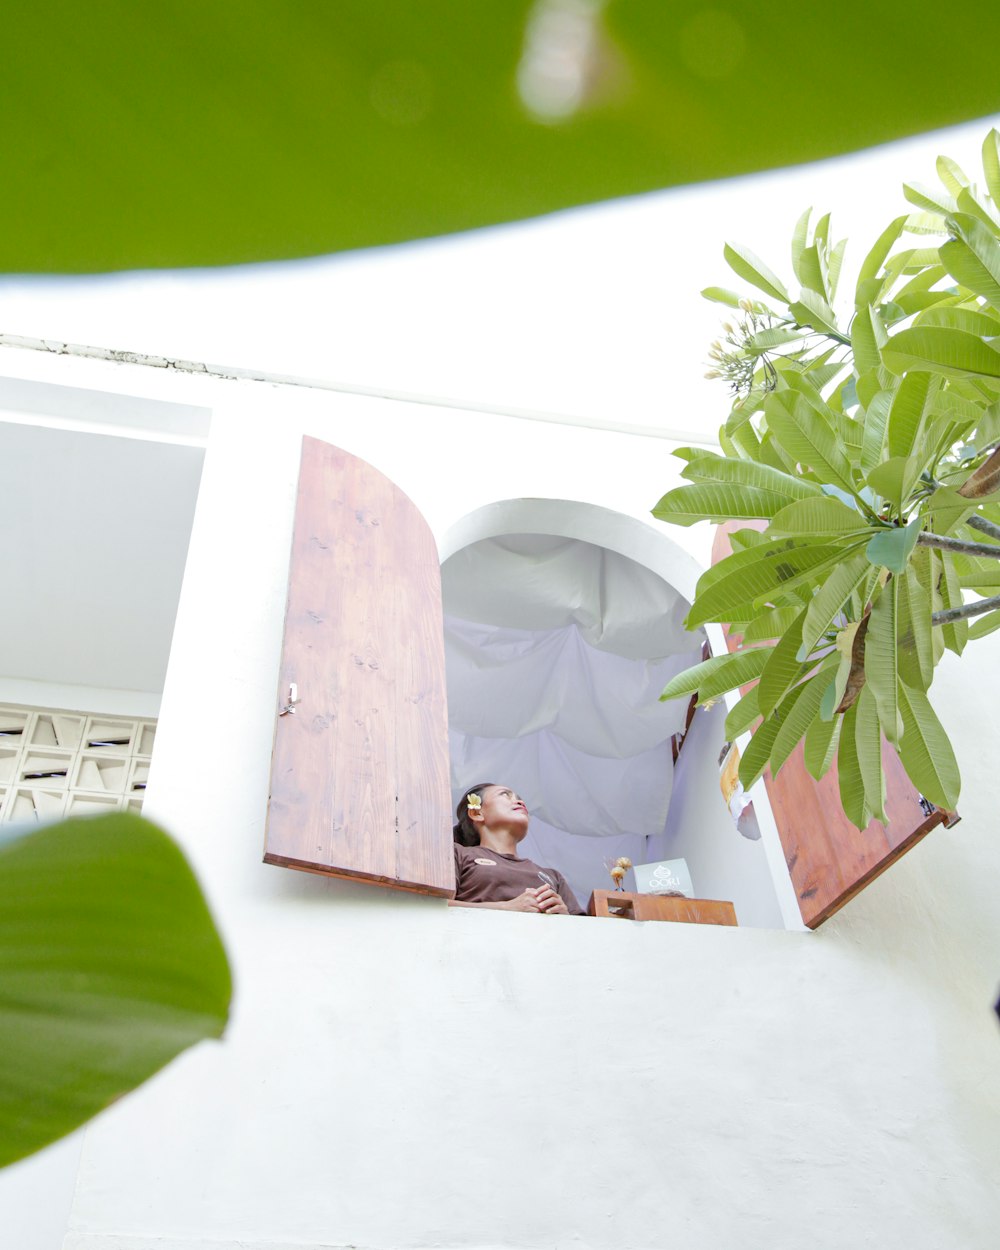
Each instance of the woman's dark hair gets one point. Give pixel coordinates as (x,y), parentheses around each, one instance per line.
(465,832)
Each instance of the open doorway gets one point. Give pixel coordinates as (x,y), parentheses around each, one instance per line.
(557,649)
(96,541)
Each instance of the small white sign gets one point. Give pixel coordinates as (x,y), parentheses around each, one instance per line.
(666,877)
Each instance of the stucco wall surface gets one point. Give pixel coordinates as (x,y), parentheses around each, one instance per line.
(402,1074)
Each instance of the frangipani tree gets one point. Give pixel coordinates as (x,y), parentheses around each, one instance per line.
(870,446)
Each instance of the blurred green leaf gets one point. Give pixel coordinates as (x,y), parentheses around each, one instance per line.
(109,967)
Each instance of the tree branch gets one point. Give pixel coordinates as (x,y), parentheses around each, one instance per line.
(988,550)
(969,609)
(985,527)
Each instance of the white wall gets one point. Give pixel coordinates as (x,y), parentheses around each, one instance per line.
(700,830)
(402,1074)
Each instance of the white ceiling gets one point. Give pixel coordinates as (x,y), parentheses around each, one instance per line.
(92,554)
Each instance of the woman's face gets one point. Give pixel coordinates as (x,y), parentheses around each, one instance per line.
(504,808)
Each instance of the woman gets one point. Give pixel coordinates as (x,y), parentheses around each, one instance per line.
(492,821)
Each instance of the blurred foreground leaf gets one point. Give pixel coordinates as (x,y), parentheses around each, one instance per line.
(110,966)
(215,132)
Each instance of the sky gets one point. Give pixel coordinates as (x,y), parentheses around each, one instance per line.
(592,313)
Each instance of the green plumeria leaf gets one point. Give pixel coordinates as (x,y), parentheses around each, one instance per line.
(911,406)
(868,747)
(770,625)
(746,473)
(758,753)
(881,662)
(753,270)
(985,625)
(925,750)
(913,632)
(933,201)
(894,479)
(876,429)
(816,516)
(955,633)
(830,600)
(743,715)
(892,548)
(776,570)
(991,164)
(716,676)
(973,259)
(953,353)
(719,502)
(809,440)
(782,669)
(852,786)
(802,715)
(721,295)
(822,738)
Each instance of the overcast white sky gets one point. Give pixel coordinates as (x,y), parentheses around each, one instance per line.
(592,312)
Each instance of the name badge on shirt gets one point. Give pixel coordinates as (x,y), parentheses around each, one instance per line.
(487,863)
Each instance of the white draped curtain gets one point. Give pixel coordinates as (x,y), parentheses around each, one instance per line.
(557,651)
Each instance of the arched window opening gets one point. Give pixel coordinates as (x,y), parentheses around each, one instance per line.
(556,652)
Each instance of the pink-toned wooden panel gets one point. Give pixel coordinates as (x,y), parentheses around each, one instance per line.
(829,860)
(359,777)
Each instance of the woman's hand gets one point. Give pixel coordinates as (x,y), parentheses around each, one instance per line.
(542,899)
(549,901)
(528,901)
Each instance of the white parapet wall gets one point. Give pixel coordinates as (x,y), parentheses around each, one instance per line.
(402,1074)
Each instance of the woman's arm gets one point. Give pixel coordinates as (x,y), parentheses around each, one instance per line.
(536,900)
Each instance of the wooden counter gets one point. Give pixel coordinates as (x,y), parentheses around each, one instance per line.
(619,905)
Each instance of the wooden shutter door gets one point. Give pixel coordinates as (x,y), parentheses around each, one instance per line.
(829,860)
(359,774)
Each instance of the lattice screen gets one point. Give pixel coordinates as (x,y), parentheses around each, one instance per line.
(54,763)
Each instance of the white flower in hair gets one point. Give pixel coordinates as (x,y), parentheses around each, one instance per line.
(473,802)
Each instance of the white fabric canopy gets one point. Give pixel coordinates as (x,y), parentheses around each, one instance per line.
(557,651)
(533,581)
(510,683)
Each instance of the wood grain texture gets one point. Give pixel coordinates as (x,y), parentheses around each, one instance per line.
(622,904)
(829,860)
(359,775)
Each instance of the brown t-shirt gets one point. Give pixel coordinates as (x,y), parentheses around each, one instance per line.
(485,876)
